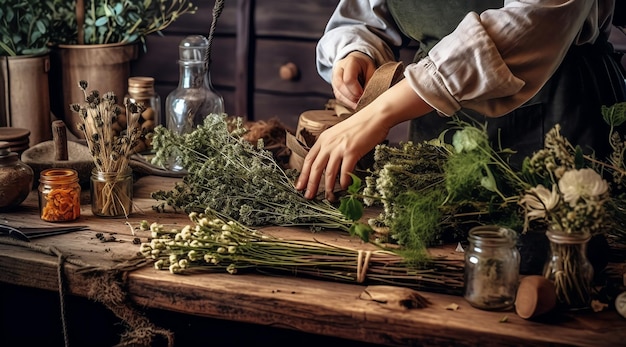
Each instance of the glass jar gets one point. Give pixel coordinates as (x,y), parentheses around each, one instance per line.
(141,91)
(194,98)
(569,268)
(16,178)
(59,195)
(491,268)
(112,193)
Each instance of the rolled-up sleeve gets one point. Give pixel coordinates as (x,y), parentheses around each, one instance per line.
(497,60)
(364,26)
(492,63)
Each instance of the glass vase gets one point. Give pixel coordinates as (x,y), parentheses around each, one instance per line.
(569,268)
(112,193)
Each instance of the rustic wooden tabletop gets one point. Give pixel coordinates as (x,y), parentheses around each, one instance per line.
(303,304)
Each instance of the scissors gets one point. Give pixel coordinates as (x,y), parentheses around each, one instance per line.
(26,234)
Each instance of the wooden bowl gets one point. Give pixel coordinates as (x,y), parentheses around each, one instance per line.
(42,156)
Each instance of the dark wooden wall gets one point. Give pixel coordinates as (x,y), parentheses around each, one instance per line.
(254,40)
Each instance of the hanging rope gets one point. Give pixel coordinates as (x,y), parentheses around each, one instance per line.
(217,11)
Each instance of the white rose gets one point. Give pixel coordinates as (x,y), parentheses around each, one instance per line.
(585,183)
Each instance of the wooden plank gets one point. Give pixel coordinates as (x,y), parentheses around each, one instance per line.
(302,19)
(161,61)
(243,58)
(200,22)
(334,309)
(272,54)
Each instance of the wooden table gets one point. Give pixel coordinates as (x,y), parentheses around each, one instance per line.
(301,304)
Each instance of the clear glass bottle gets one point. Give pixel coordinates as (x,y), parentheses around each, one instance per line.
(195,97)
(491,268)
(112,193)
(59,195)
(569,269)
(16,178)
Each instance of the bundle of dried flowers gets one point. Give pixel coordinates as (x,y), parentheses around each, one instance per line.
(219,244)
(111,153)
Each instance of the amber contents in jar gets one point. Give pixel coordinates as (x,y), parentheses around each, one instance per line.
(59,195)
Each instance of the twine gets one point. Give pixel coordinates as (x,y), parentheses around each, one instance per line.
(105,287)
(217,11)
(362,263)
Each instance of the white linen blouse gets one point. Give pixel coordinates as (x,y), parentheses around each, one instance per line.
(492,62)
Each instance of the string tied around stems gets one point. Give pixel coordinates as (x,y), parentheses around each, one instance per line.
(363,260)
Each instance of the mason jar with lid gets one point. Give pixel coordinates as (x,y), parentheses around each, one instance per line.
(491,268)
(141,91)
(59,195)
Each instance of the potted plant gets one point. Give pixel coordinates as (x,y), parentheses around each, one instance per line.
(96,41)
(25,63)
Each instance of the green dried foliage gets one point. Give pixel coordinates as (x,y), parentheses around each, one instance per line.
(435,192)
(226,173)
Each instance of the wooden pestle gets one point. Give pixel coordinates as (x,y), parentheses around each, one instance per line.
(59,137)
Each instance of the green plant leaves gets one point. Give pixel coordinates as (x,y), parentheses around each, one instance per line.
(24,27)
(614,115)
(350,206)
(116,21)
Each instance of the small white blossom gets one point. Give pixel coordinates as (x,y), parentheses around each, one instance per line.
(583,183)
(539,201)
(175,268)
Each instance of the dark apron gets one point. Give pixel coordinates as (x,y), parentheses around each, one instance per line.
(588,78)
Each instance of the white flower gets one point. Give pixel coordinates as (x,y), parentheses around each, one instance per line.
(585,183)
(539,201)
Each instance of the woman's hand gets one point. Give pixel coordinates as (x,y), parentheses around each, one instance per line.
(350,75)
(339,148)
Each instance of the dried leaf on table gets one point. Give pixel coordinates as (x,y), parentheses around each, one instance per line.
(452,307)
(397,298)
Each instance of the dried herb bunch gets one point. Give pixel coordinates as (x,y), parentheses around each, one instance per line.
(435,191)
(218,244)
(228,174)
(111,153)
